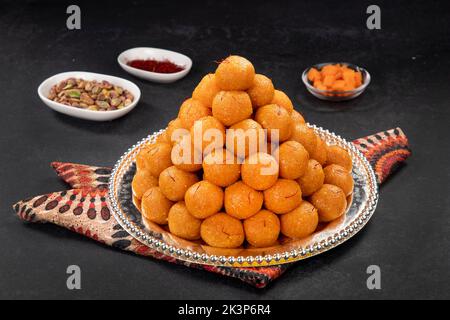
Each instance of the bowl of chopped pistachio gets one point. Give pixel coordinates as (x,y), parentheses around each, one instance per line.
(89,95)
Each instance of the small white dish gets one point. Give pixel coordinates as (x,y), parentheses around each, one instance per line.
(44,90)
(157,54)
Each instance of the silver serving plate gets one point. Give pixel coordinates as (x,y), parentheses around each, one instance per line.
(362,204)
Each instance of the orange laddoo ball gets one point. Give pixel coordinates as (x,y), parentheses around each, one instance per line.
(284,196)
(174,183)
(155,206)
(206,90)
(262,91)
(330,202)
(142,181)
(156,157)
(273,117)
(300,222)
(235,73)
(230,107)
(260,171)
(320,151)
(221,168)
(185,157)
(208,134)
(182,223)
(222,231)
(339,156)
(297,118)
(175,130)
(140,157)
(244,138)
(262,229)
(162,138)
(306,136)
(204,199)
(280,98)
(313,178)
(339,176)
(241,201)
(190,111)
(292,159)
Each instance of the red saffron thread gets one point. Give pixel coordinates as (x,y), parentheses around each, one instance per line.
(164,66)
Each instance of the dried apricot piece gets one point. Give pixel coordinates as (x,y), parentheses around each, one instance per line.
(314,75)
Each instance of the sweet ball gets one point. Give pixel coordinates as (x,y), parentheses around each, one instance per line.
(262,229)
(339,176)
(300,222)
(174,182)
(330,202)
(230,107)
(191,110)
(260,171)
(222,231)
(221,168)
(242,201)
(284,196)
(293,159)
(155,206)
(313,178)
(262,91)
(182,223)
(203,199)
(275,119)
(235,73)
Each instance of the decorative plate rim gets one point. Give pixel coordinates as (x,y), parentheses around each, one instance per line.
(250,261)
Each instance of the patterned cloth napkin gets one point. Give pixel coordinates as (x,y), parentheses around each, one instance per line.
(85,209)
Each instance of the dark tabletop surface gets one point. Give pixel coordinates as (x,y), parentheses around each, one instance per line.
(408,58)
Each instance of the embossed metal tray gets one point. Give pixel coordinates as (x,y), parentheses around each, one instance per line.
(361,207)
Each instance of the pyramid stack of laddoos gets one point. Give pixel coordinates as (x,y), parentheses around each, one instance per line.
(212,178)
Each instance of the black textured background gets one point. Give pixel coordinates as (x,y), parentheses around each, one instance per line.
(409,62)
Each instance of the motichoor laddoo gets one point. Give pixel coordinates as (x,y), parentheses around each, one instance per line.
(293,159)
(142,181)
(231,107)
(300,222)
(174,182)
(260,171)
(276,120)
(244,138)
(221,168)
(262,229)
(156,157)
(280,98)
(155,206)
(313,178)
(235,73)
(339,176)
(204,199)
(338,155)
(261,92)
(222,231)
(284,196)
(241,201)
(191,110)
(330,202)
(206,90)
(182,223)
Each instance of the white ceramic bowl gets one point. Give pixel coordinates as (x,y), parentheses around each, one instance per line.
(44,90)
(157,54)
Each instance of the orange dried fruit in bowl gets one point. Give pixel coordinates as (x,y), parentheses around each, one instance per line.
(328,80)
(339,85)
(358,78)
(314,75)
